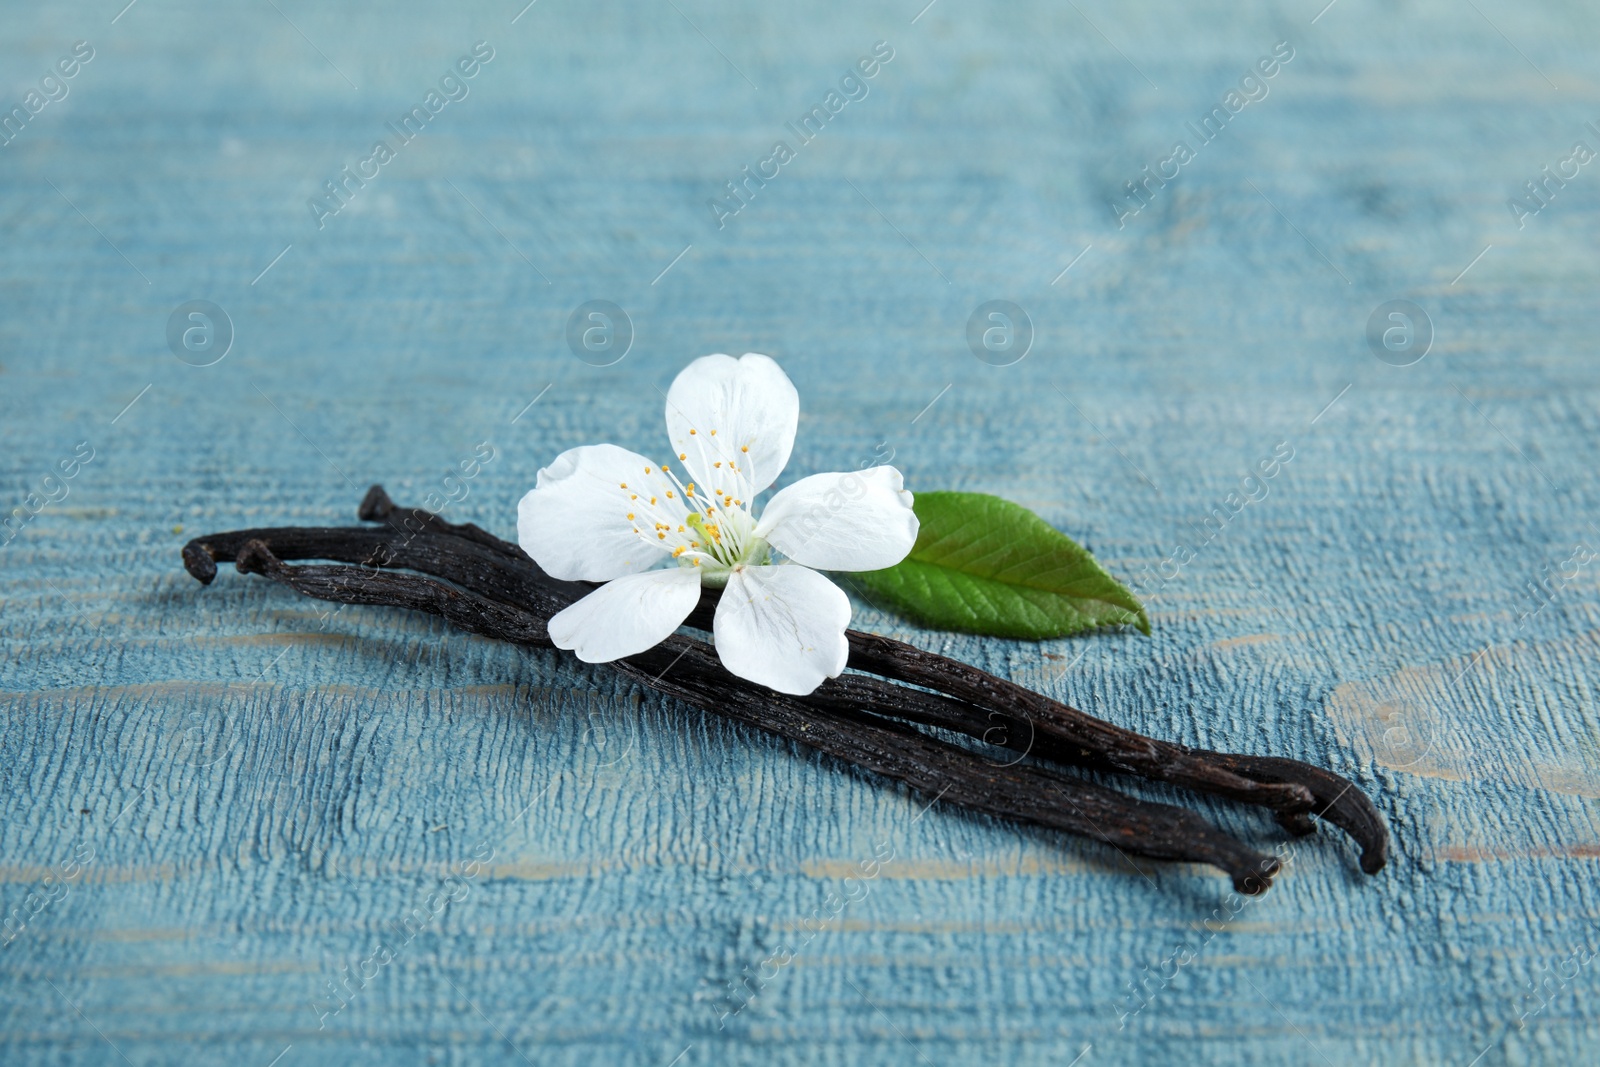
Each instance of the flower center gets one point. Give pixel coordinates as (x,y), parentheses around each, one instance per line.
(717,536)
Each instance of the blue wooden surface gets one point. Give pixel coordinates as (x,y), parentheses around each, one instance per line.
(217,801)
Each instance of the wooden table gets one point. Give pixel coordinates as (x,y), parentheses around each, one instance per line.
(236,826)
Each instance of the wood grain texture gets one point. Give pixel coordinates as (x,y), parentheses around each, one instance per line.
(218,800)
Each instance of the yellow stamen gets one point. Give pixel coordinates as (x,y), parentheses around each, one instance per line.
(744,448)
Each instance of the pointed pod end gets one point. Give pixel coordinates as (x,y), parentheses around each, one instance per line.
(198,562)
(1253,881)
(375,506)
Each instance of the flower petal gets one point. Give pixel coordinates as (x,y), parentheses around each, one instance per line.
(782,627)
(576,523)
(732,422)
(626,616)
(860,521)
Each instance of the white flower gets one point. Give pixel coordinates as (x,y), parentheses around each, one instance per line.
(601,513)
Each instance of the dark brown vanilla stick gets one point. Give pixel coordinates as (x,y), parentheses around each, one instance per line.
(360,585)
(984,707)
(1290,787)
(467,563)
(688,669)
(940,771)
(377,507)
(1052,730)
(1336,799)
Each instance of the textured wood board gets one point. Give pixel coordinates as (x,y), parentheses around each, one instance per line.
(220,799)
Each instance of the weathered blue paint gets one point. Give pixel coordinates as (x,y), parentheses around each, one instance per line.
(219,799)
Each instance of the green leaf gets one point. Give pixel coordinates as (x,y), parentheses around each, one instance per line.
(987,566)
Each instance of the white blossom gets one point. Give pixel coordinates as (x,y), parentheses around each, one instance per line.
(656,533)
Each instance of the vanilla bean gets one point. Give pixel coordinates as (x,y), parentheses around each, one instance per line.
(377,507)
(358,585)
(1289,787)
(941,771)
(1055,731)
(468,563)
(1336,799)
(964,699)
(688,669)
